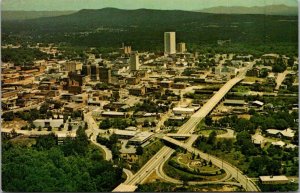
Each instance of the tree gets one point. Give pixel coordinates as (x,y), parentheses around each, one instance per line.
(208,121)
(212,137)
(49,128)
(9,116)
(46,141)
(44,108)
(139,150)
(105,124)
(146,123)
(69,127)
(251,111)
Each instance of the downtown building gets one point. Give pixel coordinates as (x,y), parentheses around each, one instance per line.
(134,61)
(169,43)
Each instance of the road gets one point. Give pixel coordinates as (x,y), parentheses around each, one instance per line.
(165,152)
(160,172)
(128,173)
(247,183)
(93,131)
(162,155)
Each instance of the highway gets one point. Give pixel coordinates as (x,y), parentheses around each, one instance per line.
(165,152)
(246,182)
(161,156)
(128,173)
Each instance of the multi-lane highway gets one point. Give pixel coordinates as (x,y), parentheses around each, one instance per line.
(247,183)
(163,154)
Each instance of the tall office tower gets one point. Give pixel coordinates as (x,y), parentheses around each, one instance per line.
(95,72)
(105,75)
(86,70)
(170,42)
(181,47)
(134,61)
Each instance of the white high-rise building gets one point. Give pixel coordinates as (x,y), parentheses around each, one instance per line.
(170,42)
(134,61)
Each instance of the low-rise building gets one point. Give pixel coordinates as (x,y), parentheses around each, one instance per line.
(273,179)
(140,138)
(124,134)
(129,155)
(137,90)
(183,111)
(48,122)
(113,114)
(166,83)
(287,133)
(229,102)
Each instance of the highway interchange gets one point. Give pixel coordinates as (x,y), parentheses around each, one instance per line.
(165,152)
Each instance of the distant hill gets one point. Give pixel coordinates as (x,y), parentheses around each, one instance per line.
(144,28)
(267,10)
(23,15)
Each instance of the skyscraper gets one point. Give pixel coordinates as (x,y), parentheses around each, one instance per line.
(95,72)
(105,75)
(134,61)
(170,42)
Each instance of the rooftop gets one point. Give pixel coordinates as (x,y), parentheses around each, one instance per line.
(273,178)
(288,133)
(241,102)
(140,137)
(258,103)
(183,109)
(124,132)
(278,143)
(113,113)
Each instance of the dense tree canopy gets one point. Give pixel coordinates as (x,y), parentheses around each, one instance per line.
(22,56)
(47,167)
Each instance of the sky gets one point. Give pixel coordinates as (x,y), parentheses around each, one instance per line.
(58,5)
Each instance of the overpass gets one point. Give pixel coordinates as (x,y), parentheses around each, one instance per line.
(246,182)
(165,152)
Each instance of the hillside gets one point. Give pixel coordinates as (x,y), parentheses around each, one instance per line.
(143,28)
(267,10)
(23,15)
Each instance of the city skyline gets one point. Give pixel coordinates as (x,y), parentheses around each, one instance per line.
(60,5)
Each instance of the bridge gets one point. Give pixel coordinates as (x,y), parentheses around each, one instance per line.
(243,180)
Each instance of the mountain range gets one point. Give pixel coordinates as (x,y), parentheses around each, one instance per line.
(144,28)
(23,15)
(267,10)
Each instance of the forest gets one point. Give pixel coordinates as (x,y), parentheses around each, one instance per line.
(74,166)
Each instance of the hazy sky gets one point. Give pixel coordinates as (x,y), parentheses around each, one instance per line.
(50,5)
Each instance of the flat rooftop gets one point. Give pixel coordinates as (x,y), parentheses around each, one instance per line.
(273,178)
